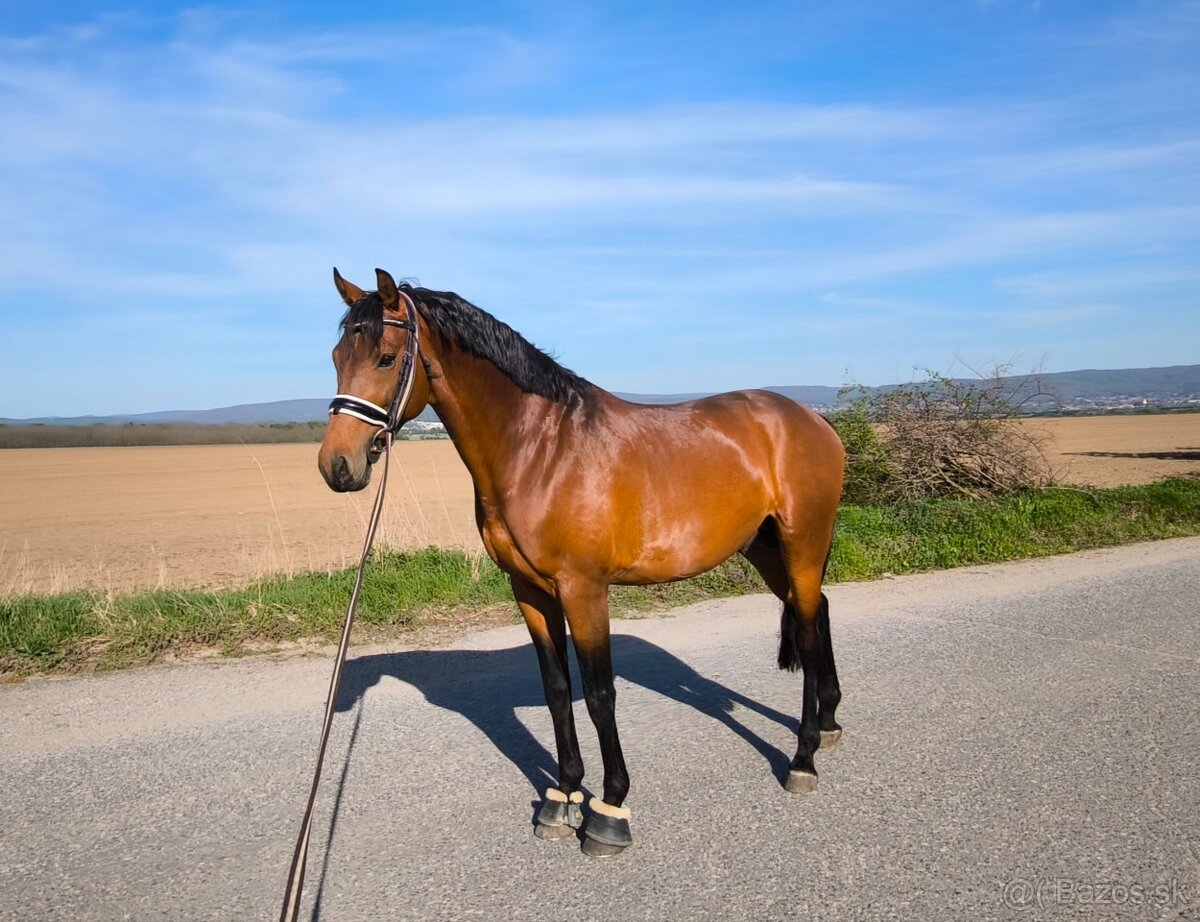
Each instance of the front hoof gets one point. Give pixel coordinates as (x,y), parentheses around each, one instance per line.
(800,782)
(606,832)
(594,849)
(553,833)
(559,816)
(830,738)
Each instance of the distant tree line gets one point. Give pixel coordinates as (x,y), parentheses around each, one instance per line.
(103,436)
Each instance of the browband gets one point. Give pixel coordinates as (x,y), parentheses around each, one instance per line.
(387,321)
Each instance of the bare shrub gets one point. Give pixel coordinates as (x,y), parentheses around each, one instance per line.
(868,465)
(942,437)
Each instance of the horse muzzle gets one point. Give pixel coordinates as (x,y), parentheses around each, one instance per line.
(344,476)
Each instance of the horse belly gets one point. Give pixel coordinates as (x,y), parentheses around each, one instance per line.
(679,534)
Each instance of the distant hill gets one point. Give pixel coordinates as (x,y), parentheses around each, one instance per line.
(1178,381)
(1088,388)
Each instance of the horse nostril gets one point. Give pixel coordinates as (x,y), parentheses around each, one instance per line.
(341,470)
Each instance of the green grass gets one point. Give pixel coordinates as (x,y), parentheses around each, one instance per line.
(87,630)
(56,632)
(944,533)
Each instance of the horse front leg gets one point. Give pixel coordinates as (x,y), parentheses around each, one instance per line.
(606,830)
(560,814)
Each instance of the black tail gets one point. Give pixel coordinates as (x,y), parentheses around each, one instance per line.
(789,639)
(789,626)
(789,634)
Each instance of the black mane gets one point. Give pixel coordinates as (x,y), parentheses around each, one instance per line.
(482,335)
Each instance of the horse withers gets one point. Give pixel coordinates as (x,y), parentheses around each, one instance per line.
(577,490)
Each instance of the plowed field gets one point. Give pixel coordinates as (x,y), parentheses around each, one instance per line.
(222,514)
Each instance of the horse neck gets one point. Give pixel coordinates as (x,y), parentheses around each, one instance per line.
(485,414)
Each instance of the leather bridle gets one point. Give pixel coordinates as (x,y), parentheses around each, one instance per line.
(391,419)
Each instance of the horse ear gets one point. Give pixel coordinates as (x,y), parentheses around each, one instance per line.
(348,290)
(387,290)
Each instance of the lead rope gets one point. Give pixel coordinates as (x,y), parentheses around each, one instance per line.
(389,427)
(291,897)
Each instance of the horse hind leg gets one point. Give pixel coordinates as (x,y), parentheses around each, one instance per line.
(794,574)
(828,691)
(800,647)
(765,553)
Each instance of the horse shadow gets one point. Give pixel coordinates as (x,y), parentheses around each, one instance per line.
(488,686)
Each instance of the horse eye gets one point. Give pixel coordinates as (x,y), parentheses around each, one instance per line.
(386,361)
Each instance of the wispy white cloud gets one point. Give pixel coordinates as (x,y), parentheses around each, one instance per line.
(978,241)
(1090,159)
(176,163)
(1157,27)
(1044,317)
(1098,281)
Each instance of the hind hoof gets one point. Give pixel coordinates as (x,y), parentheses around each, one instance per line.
(801,782)
(594,849)
(830,738)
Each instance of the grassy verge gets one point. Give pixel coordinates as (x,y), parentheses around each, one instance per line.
(944,533)
(405,591)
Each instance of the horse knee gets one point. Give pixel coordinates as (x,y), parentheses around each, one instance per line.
(601,700)
(557,687)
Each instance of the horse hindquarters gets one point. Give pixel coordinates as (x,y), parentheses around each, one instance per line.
(791,551)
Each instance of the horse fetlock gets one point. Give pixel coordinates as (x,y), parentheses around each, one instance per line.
(829,695)
(808,742)
(570,771)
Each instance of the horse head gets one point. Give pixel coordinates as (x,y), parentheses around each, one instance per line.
(376,362)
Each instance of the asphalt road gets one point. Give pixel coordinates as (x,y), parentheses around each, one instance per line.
(1021,743)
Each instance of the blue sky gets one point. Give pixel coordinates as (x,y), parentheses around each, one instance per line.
(669,197)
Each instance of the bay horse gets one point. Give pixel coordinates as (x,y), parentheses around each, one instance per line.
(577,490)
